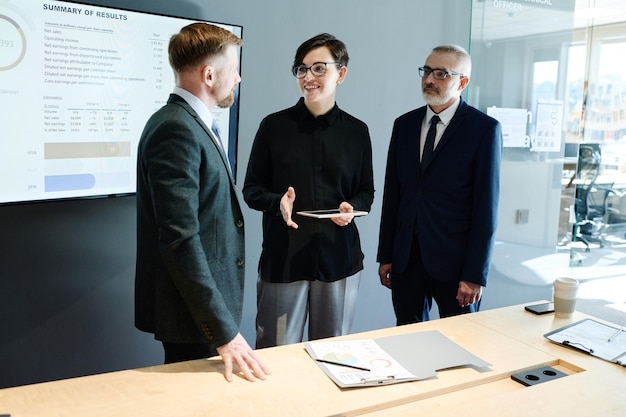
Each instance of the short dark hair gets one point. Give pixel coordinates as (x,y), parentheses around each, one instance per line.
(198,41)
(337,49)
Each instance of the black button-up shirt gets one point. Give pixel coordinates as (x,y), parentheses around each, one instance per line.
(327,160)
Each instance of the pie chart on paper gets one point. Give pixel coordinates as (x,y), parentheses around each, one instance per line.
(346,358)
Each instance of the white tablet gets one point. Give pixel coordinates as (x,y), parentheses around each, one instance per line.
(328,213)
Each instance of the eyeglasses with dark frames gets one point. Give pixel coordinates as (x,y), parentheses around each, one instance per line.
(317,69)
(438,74)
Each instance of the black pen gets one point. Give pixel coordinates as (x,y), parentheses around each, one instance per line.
(343,364)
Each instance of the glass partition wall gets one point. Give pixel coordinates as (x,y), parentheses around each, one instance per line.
(554,73)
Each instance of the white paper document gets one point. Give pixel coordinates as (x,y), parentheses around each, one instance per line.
(595,338)
(548,130)
(358,353)
(389,360)
(514,122)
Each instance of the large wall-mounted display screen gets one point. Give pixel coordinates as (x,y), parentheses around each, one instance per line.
(77,84)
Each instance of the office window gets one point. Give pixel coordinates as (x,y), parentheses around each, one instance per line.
(572,53)
(576,57)
(606,109)
(545,77)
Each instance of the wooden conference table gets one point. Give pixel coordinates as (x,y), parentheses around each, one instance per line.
(510,338)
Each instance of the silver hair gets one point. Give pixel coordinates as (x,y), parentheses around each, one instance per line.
(462,56)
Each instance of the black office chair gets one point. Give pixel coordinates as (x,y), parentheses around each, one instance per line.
(616,220)
(591,198)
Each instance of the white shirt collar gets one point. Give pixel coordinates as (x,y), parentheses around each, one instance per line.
(196,104)
(445,115)
(205,115)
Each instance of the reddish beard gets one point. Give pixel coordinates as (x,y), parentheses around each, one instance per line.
(227,101)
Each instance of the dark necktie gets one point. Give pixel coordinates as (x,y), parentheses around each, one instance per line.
(429,144)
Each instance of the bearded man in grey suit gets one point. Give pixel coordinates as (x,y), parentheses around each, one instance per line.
(190,230)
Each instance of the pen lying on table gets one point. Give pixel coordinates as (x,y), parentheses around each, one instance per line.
(343,364)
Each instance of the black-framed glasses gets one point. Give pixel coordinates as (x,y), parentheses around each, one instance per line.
(318,69)
(438,74)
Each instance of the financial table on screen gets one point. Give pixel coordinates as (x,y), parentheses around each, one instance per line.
(77,83)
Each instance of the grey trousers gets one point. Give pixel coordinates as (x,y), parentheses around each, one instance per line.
(283,309)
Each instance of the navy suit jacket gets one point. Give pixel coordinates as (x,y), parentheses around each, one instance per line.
(190,232)
(452,206)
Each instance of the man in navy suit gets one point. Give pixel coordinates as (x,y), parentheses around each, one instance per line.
(190,230)
(440,199)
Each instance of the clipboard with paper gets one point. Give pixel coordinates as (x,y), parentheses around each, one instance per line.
(389,360)
(594,338)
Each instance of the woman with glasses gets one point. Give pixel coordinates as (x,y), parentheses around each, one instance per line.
(311,156)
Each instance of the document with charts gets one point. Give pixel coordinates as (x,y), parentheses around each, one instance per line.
(383,369)
(389,360)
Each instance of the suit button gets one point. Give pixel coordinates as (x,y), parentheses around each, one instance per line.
(239,223)
(207,331)
(240,262)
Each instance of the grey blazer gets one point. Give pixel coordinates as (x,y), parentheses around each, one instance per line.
(190,232)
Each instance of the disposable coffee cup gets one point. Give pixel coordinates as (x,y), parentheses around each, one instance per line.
(565,294)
